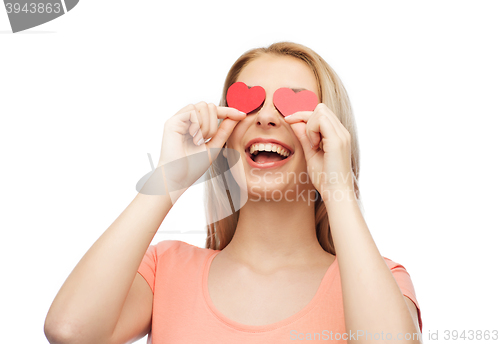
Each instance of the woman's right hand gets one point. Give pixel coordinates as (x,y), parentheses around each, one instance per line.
(184,154)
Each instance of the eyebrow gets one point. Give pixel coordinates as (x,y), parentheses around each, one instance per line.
(293,89)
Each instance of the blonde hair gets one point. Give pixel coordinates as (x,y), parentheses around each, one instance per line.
(332,93)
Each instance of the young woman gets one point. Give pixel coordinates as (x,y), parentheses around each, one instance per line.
(288,257)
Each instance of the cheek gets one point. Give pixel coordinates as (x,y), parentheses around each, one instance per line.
(299,154)
(238,132)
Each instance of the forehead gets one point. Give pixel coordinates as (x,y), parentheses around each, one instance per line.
(273,72)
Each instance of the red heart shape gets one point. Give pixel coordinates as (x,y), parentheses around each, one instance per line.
(289,102)
(245,99)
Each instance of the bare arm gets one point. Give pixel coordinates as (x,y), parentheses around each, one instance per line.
(88,305)
(103,296)
(372,299)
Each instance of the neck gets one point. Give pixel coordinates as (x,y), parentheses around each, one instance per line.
(271,234)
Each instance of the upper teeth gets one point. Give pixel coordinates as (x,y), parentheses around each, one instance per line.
(268,147)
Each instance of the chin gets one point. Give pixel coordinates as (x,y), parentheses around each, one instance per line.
(270,192)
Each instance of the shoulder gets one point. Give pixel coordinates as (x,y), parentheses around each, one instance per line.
(392,264)
(402,277)
(405,284)
(170,245)
(178,248)
(176,245)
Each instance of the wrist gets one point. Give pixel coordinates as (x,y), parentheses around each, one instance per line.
(159,183)
(338,192)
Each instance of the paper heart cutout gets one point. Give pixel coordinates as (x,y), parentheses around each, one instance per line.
(245,99)
(289,102)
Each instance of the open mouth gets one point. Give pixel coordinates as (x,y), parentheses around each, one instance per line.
(264,157)
(267,153)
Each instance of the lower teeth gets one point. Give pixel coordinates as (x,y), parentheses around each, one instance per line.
(283,158)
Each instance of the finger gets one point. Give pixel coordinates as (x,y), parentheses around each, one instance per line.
(186,108)
(202,135)
(341,131)
(299,116)
(225,129)
(324,126)
(228,112)
(192,115)
(212,113)
(313,130)
(299,129)
(190,120)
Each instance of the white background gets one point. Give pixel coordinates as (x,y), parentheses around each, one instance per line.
(83,99)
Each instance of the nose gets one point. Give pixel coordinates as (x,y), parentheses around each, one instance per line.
(268,116)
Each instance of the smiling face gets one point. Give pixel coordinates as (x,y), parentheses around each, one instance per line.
(265,127)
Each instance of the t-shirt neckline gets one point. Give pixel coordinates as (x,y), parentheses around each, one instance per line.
(325,282)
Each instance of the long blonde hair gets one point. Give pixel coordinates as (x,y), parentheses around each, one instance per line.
(332,93)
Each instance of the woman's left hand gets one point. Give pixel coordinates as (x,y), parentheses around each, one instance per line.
(329,167)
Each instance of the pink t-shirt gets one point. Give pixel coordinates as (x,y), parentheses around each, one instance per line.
(184,313)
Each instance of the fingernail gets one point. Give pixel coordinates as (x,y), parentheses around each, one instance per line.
(311,145)
(201,141)
(196,132)
(243,113)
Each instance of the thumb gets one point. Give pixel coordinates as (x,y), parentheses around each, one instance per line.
(225,129)
(300,131)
